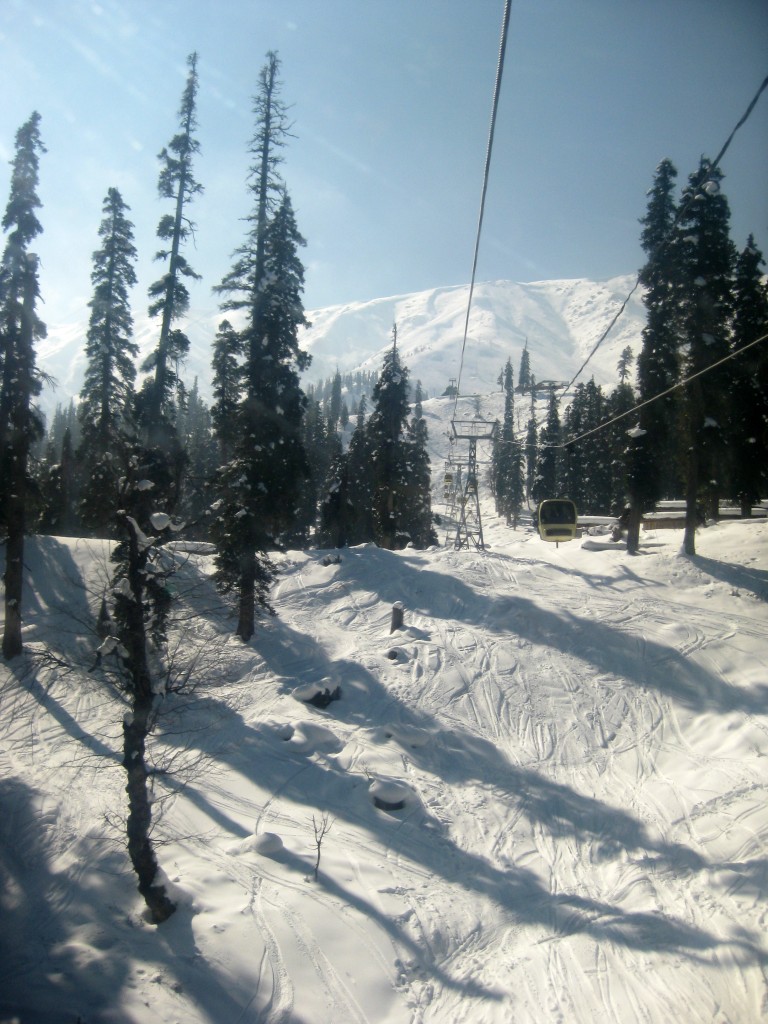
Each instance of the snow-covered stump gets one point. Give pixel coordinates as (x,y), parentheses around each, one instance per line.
(398,616)
(317,694)
(390,794)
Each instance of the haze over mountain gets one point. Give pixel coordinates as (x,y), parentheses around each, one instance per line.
(561,321)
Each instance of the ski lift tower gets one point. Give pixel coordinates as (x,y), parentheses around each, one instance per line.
(469,528)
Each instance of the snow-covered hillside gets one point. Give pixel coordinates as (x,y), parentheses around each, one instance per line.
(561,321)
(579,739)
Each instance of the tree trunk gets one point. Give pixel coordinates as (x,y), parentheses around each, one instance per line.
(246,624)
(633,526)
(135,730)
(136,727)
(691,495)
(14,570)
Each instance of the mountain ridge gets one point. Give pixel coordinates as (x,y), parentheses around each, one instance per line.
(560,321)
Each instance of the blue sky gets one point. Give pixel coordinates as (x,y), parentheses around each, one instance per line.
(391,103)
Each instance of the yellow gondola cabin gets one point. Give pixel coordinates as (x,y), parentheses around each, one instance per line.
(556,519)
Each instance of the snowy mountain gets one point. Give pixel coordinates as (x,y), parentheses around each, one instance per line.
(561,320)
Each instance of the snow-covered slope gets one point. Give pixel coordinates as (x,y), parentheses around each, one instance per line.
(561,321)
(579,738)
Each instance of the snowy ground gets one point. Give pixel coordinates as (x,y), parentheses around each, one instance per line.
(579,737)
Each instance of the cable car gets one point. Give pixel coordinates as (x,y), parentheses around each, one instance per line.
(556,519)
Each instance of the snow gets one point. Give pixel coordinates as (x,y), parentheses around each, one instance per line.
(578,739)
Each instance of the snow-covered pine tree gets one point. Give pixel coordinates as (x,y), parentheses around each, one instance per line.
(651,441)
(259,486)
(359,474)
(574,468)
(57,486)
(334,406)
(547,481)
(227,387)
(531,446)
(195,430)
(334,507)
(142,601)
(620,401)
(708,258)
(106,398)
(387,428)
(748,420)
(156,409)
(524,379)
(20,326)
(420,526)
(507,459)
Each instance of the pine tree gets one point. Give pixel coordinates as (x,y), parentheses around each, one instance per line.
(20,327)
(624,363)
(169,295)
(420,528)
(386,436)
(107,395)
(359,473)
(57,488)
(531,446)
(708,259)
(748,419)
(524,379)
(620,401)
(651,441)
(507,460)
(142,602)
(195,428)
(547,481)
(334,411)
(260,485)
(332,527)
(227,387)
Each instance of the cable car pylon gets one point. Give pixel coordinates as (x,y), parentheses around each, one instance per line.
(469,523)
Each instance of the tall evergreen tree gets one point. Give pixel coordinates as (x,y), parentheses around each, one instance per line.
(20,327)
(708,258)
(620,401)
(524,379)
(531,446)
(420,528)
(58,487)
(195,427)
(359,473)
(547,481)
(107,395)
(169,295)
(507,458)
(334,410)
(261,483)
(748,420)
(386,434)
(227,387)
(333,512)
(651,443)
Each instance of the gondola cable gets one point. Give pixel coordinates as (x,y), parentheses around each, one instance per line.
(662,394)
(486,174)
(678,217)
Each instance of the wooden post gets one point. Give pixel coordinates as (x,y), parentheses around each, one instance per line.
(398,613)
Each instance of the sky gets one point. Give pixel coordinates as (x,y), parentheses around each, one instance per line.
(390,103)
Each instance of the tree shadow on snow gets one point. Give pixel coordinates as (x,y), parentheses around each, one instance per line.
(46,973)
(754,581)
(602,647)
(321,783)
